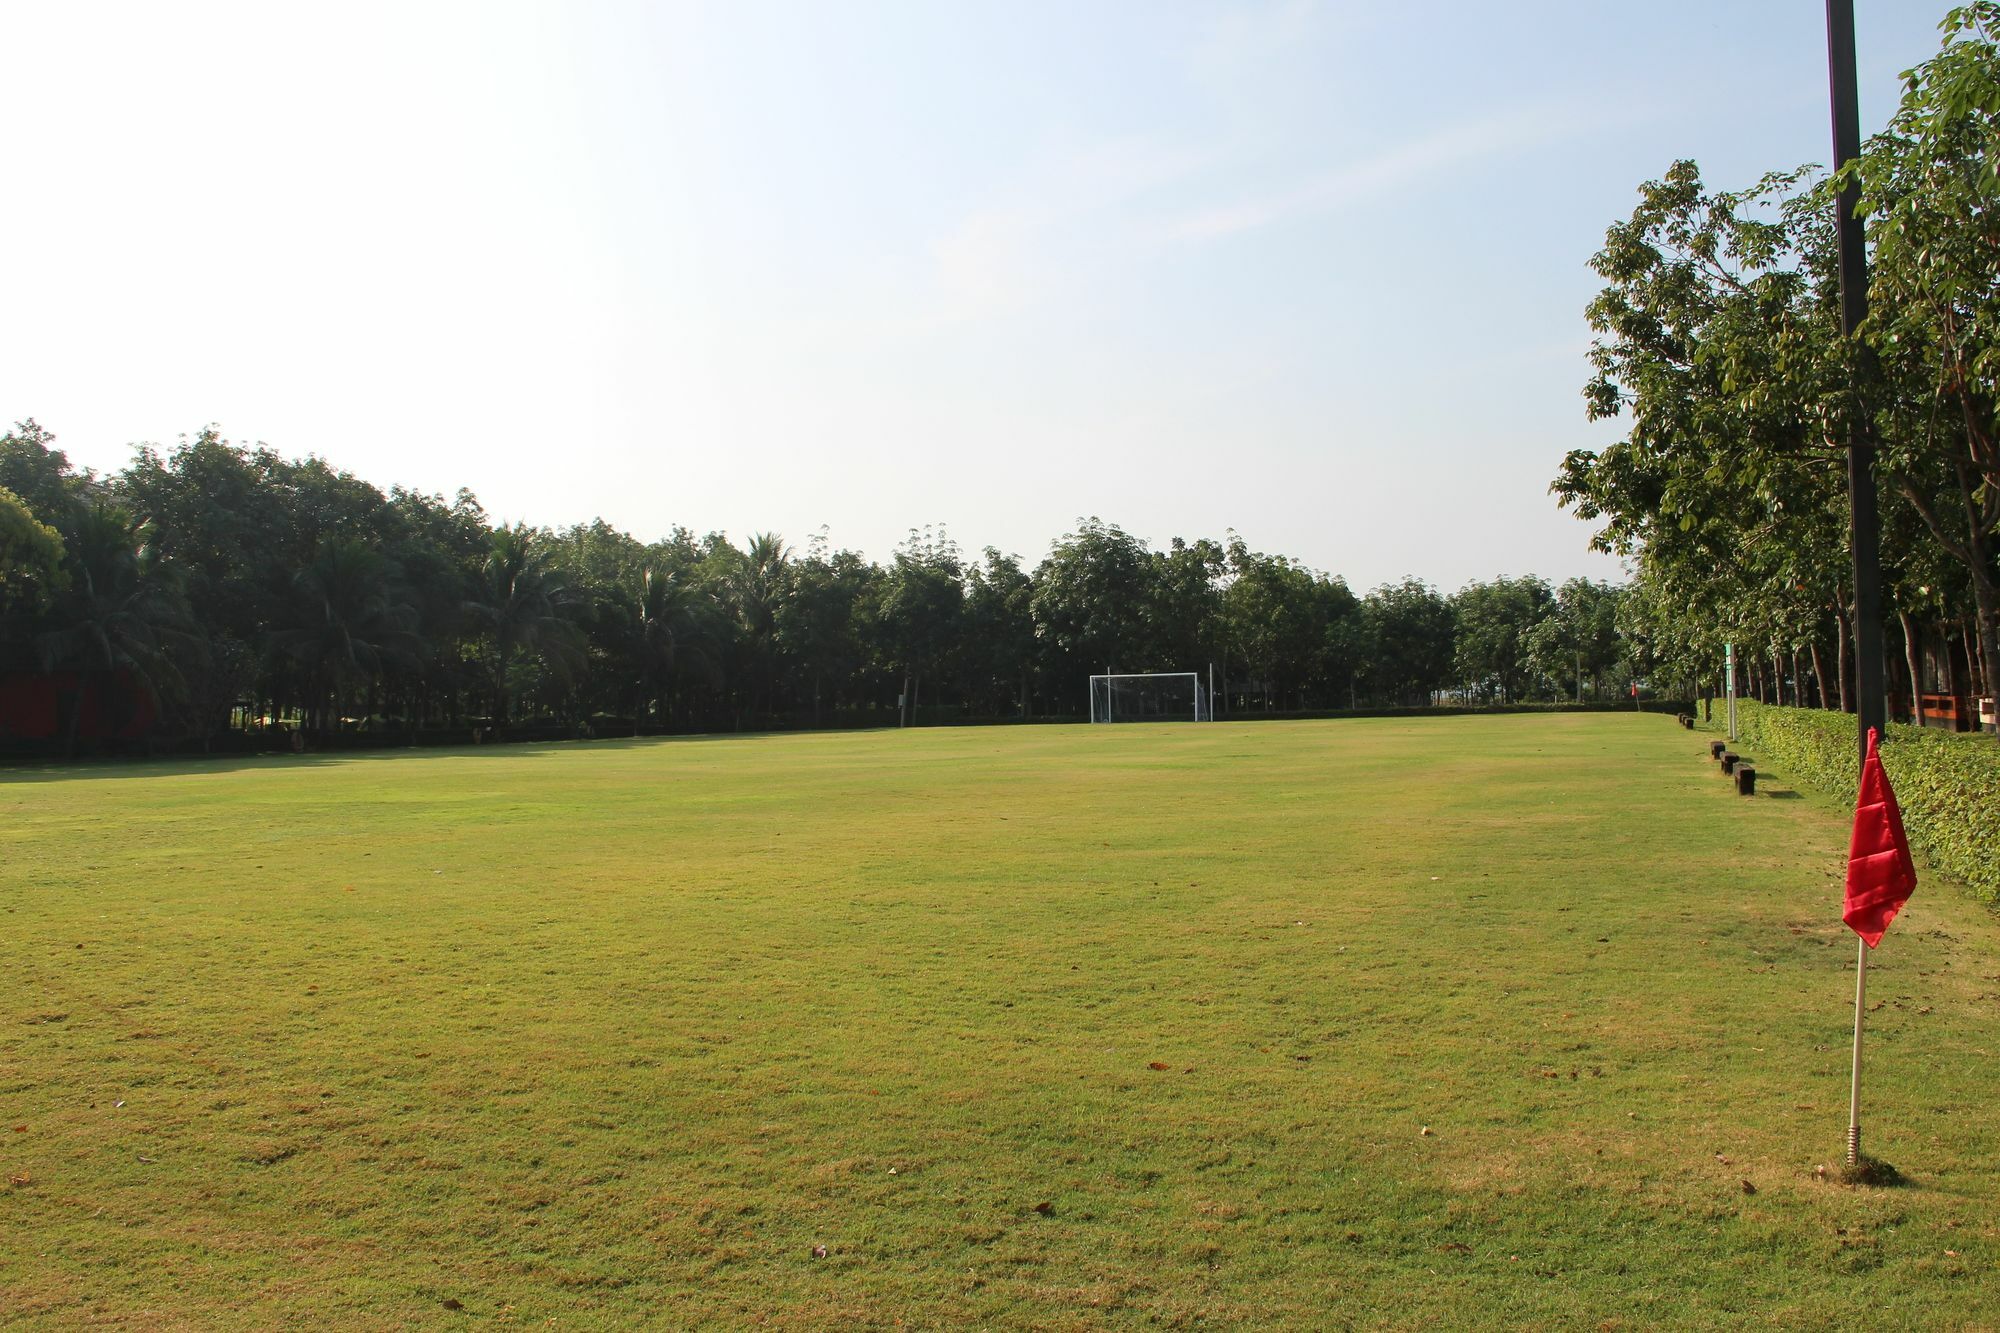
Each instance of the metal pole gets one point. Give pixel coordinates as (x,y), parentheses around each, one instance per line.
(1729,669)
(1854,1089)
(1864,525)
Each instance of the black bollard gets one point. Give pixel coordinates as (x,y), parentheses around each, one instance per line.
(1715,749)
(1746,780)
(1729,761)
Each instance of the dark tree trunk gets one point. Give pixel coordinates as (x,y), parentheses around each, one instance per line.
(1913,658)
(1954,683)
(1840,658)
(1987,597)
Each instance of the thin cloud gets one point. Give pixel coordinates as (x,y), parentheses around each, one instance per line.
(1381,173)
(1003,255)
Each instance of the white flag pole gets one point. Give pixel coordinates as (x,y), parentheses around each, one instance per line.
(1854,1093)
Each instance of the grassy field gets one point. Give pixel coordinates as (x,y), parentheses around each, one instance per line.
(1523,1020)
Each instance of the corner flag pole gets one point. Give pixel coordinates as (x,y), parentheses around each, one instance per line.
(1854,1089)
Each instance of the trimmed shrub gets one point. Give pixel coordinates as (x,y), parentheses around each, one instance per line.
(1948,783)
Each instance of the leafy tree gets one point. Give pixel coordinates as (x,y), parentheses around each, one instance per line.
(1930,189)
(1492,625)
(1277,612)
(999,634)
(1409,626)
(31,556)
(40,475)
(824,621)
(1090,603)
(1187,610)
(1579,637)
(920,608)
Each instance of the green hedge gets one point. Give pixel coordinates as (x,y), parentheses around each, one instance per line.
(1947,783)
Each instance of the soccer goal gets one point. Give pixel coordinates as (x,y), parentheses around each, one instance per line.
(1160,696)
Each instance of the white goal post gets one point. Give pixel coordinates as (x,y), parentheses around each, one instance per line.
(1152,696)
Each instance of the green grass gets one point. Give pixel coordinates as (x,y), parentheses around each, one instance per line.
(621,1031)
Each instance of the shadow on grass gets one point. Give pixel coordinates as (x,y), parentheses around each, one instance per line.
(1872,1174)
(183,765)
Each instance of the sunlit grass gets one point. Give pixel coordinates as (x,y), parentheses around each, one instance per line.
(1061,1027)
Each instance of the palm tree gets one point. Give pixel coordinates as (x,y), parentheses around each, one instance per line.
(120,611)
(353,620)
(521,601)
(670,630)
(759,583)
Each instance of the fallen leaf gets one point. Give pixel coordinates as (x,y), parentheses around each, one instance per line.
(452,1303)
(1045,1208)
(20,1129)
(1159,1064)
(1424,1133)
(819,1251)
(20,1180)
(147,1160)
(1748,1188)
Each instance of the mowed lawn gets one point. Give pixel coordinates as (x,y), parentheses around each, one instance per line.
(1522,1020)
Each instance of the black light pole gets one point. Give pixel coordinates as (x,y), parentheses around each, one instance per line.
(1864,524)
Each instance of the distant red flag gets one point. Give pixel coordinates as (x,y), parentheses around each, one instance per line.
(1880,873)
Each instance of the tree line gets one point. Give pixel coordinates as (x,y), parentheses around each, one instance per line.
(1719,344)
(238,587)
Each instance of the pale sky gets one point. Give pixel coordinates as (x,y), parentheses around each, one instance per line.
(1312,271)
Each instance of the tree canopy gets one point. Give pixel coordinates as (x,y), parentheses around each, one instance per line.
(1719,347)
(242,588)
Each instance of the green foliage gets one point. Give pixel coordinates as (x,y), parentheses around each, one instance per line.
(31,555)
(1408,628)
(1945,782)
(1494,634)
(1719,341)
(302,597)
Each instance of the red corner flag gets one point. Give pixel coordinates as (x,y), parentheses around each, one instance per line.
(1880,874)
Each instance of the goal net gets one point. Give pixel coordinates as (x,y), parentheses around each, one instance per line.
(1171,696)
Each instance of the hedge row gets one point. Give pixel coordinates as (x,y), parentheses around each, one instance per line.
(1947,783)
